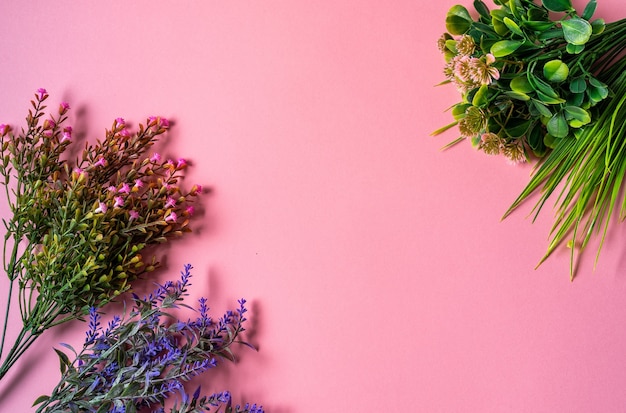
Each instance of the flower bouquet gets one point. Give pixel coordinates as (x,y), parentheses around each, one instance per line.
(545,82)
(79,226)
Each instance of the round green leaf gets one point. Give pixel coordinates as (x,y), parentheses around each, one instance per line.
(576,113)
(557,5)
(578,85)
(458,20)
(576,30)
(521,84)
(557,126)
(550,141)
(555,71)
(505,47)
(597,26)
(481,98)
(574,48)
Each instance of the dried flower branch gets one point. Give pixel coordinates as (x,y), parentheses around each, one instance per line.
(78,229)
(140,360)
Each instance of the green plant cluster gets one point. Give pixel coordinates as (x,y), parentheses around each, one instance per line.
(542,60)
(79,227)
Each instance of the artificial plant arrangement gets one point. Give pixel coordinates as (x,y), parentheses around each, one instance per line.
(79,227)
(543,81)
(142,358)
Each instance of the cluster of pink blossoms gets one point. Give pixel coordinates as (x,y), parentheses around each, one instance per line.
(466,71)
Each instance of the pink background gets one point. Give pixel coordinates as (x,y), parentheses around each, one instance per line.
(379,272)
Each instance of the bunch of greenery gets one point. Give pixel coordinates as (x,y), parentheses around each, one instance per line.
(543,80)
(141,359)
(79,227)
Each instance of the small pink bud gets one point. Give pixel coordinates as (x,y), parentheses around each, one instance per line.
(133,214)
(119,202)
(190,210)
(112,188)
(125,189)
(102,208)
(171,217)
(169,203)
(100,162)
(42,93)
(49,124)
(155,158)
(63,108)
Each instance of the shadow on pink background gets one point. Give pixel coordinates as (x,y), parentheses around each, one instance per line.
(379,272)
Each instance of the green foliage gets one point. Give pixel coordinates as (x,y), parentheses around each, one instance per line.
(79,227)
(539,80)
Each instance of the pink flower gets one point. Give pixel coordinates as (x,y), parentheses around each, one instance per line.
(171,202)
(63,108)
(196,189)
(182,163)
(125,189)
(101,162)
(124,133)
(49,124)
(119,202)
(170,164)
(155,158)
(112,188)
(120,122)
(78,171)
(4,129)
(42,93)
(102,208)
(67,135)
(133,214)
(190,210)
(171,217)
(138,184)
(164,123)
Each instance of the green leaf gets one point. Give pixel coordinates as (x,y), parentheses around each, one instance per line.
(64,361)
(550,141)
(577,85)
(517,128)
(557,126)
(574,48)
(482,9)
(598,26)
(542,109)
(517,95)
(499,27)
(41,399)
(589,10)
(555,71)
(521,84)
(538,26)
(458,20)
(557,5)
(576,30)
(505,47)
(481,98)
(512,26)
(580,114)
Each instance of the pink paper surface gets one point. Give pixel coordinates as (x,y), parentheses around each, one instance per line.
(379,273)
